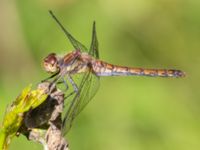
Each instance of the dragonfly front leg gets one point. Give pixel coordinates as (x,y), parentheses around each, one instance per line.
(54,82)
(52,76)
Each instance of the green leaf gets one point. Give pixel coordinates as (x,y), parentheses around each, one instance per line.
(14,114)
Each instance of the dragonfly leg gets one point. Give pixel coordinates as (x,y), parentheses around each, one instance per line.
(66,85)
(52,83)
(74,86)
(73,83)
(70,94)
(59,82)
(50,77)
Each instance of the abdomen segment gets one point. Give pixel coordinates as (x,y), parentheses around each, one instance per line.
(101,68)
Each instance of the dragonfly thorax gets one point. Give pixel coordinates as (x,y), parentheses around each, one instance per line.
(73,62)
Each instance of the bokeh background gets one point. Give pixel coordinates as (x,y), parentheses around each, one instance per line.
(127,112)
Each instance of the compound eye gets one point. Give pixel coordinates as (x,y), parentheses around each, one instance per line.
(51,59)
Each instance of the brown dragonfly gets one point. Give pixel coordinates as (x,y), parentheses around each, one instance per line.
(87,63)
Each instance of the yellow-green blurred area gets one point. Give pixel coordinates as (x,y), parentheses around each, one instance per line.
(127,113)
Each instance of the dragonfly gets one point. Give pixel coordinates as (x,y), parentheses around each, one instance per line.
(87,63)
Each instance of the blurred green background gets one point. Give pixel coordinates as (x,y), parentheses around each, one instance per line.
(127,112)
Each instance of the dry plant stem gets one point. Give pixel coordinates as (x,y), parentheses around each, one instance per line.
(47,131)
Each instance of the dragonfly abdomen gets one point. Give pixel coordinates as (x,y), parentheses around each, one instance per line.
(105,69)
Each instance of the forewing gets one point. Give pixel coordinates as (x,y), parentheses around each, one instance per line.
(94,50)
(86,91)
(76,44)
(87,83)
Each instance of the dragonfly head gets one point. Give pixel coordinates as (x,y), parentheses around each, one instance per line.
(50,63)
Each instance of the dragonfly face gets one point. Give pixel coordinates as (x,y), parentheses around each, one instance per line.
(50,63)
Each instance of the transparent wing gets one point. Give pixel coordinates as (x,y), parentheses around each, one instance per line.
(76,44)
(94,50)
(86,91)
(87,83)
